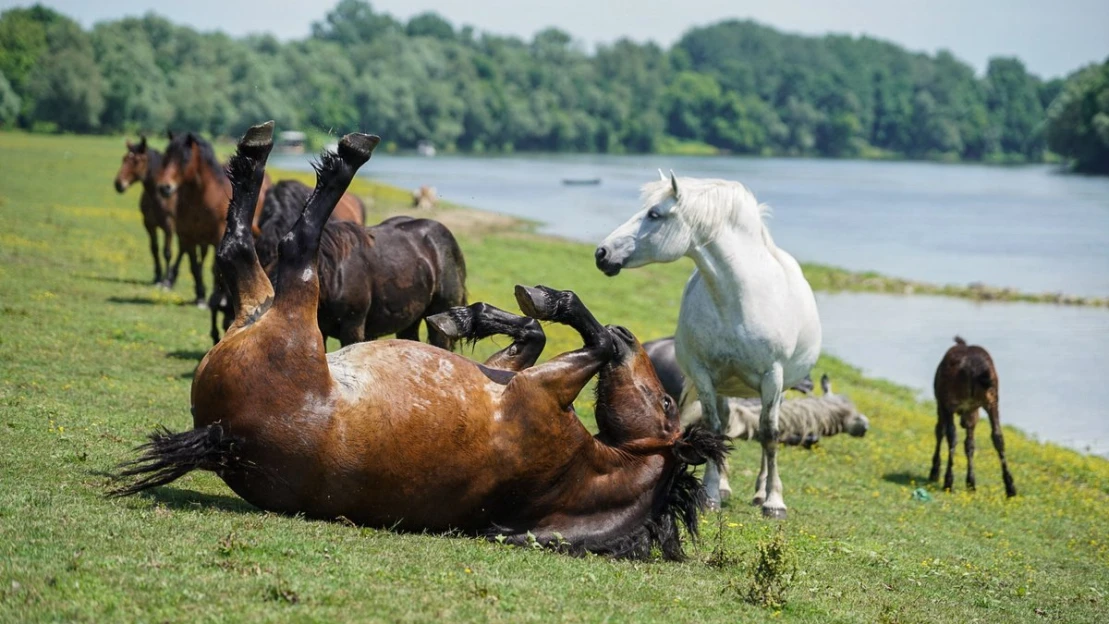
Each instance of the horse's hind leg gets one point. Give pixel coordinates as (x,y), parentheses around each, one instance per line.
(482,320)
(999,444)
(298,285)
(565,376)
(236,260)
(196,261)
(167,252)
(699,386)
(969,419)
(771,390)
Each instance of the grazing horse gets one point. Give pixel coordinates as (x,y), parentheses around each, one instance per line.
(965,382)
(140,163)
(748,323)
(281,208)
(374,281)
(402,434)
(191,173)
(424,198)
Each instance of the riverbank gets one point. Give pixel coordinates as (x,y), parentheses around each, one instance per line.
(92,358)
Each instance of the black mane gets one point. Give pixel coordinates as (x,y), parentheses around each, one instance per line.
(280,210)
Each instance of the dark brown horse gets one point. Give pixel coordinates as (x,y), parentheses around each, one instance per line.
(280,210)
(191,173)
(374,281)
(966,381)
(140,163)
(401,434)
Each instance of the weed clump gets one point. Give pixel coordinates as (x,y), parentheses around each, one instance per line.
(773,572)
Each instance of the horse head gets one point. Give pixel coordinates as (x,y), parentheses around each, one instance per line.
(855,423)
(179,164)
(678,215)
(134,167)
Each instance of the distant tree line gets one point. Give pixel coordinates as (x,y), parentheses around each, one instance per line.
(736,86)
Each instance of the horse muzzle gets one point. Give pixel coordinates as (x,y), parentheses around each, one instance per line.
(605,263)
(858,427)
(166,190)
(121,185)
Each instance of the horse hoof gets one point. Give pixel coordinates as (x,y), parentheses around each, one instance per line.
(774,513)
(538,303)
(201,304)
(712,505)
(757,501)
(725,494)
(451,324)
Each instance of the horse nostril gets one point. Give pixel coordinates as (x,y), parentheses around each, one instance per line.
(600,254)
(165,190)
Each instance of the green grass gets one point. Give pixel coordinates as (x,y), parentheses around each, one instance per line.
(92,358)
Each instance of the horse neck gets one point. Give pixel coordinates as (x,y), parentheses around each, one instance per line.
(733,263)
(153,164)
(620,484)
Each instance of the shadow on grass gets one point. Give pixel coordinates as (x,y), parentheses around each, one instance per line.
(121,280)
(906,478)
(186,354)
(151,301)
(177,498)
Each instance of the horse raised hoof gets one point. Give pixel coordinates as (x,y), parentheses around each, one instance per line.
(257,141)
(539,303)
(356,148)
(454,323)
(774,513)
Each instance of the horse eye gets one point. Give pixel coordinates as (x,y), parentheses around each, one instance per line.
(653,214)
(667,403)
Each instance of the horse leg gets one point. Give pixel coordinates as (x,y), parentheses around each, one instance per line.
(699,385)
(949,430)
(167,252)
(237,267)
(969,419)
(352,329)
(215,304)
(723,410)
(999,445)
(942,416)
(171,279)
(482,320)
(196,262)
(771,390)
(297,276)
(565,376)
(152,234)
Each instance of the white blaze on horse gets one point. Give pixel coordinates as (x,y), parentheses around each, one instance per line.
(748,324)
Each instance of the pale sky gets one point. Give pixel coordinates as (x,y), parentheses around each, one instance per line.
(1052,37)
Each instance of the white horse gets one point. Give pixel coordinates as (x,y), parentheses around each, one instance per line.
(748,324)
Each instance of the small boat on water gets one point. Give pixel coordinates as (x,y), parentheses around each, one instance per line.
(581,181)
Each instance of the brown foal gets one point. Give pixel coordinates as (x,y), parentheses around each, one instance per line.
(966,381)
(140,163)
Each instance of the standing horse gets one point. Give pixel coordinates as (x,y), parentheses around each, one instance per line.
(191,173)
(140,163)
(748,323)
(402,434)
(965,382)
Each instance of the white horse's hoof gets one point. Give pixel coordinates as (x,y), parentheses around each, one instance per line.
(712,505)
(758,500)
(774,513)
(725,494)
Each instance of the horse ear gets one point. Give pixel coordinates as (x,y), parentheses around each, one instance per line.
(142,144)
(190,139)
(674,183)
(661,175)
(129,144)
(825,384)
(169,134)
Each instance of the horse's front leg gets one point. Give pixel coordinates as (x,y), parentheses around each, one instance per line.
(481,320)
(774,505)
(711,403)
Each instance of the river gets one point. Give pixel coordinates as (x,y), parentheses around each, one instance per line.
(1028,228)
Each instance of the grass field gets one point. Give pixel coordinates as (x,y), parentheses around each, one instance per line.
(92,358)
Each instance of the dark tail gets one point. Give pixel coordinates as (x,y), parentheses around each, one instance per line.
(169,456)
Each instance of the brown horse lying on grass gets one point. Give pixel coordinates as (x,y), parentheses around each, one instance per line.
(401,434)
(965,382)
(140,163)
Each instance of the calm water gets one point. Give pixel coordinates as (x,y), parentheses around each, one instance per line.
(1023,227)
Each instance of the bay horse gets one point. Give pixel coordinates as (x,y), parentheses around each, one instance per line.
(965,382)
(748,323)
(374,281)
(402,434)
(140,163)
(191,173)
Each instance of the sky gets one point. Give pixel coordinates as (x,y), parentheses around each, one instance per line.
(1052,37)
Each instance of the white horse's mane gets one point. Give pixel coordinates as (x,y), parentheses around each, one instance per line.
(706,205)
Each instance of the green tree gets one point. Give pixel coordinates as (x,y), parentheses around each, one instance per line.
(9,103)
(1078,120)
